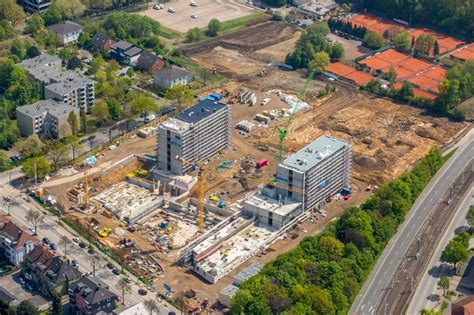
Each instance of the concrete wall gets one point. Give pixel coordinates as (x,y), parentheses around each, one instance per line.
(25,124)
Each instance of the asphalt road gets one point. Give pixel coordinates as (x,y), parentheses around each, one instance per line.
(381,276)
(423,297)
(52,230)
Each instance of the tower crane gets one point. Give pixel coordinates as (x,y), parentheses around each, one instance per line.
(283,132)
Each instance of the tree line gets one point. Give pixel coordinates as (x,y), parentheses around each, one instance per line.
(325,272)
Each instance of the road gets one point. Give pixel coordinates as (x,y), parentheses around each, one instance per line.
(423,297)
(52,230)
(381,276)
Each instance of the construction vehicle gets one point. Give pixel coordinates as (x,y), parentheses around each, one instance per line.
(221,203)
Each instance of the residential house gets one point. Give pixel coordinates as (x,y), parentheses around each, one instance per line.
(15,242)
(170,76)
(46,117)
(101,42)
(68,86)
(50,273)
(91,296)
(150,62)
(36,6)
(125,53)
(463,306)
(132,55)
(66,32)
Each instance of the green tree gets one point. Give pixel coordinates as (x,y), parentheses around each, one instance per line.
(406,91)
(470,216)
(276,3)
(424,43)
(31,146)
(32,52)
(71,9)
(26,308)
(373,40)
(58,153)
(74,145)
(373,86)
(124,287)
(11,11)
(65,54)
(194,35)
(73,122)
(114,108)
(454,253)
(100,111)
(53,15)
(143,104)
(337,51)
(96,63)
(213,27)
(436,48)
(74,63)
(38,163)
(5,162)
(34,24)
(443,283)
(402,41)
(391,76)
(320,61)
(57,307)
(84,38)
(7,30)
(450,96)
(180,93)
(18,48)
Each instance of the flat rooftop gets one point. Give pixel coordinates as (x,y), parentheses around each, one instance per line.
(54,107)
(235,249)
(313,153)
(272,205)
(201,110)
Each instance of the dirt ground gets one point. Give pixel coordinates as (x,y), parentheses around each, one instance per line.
(245,52)
(386,137)
(181,20)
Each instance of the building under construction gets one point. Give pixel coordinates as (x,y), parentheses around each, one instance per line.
(304,181)
(198,133)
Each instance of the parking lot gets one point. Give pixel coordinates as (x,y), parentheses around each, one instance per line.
(11,284)
(181,20)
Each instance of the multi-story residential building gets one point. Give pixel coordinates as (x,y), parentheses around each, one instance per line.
(50,274)
(125,52)
(170,76)
(198,133)
(36,6)
(66,32)
(15,242)
(90,296)
(316,172)
(68,86)
(46,117)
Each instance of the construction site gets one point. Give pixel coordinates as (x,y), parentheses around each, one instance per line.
(195,218)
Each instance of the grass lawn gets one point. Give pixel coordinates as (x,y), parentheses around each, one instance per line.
(197,70)
(243,22)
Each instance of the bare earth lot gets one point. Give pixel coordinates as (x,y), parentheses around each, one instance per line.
(181,21)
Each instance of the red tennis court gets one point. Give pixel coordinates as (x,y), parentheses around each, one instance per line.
(338,68)
(359,77)
(446,43)
(465,53)
(374,23)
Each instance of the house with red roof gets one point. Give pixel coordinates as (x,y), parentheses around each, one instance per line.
(15,242)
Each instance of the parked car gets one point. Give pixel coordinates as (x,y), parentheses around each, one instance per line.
(115,271)
(194,16)
(127,280)
(156,7)
(110,265)
(171,10)
(22,281)
(82,245)
(53,246)
(91,251)
(46,241)
(74,264)
(142,291)
(75,240)
(193,4)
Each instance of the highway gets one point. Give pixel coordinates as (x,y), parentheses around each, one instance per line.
(428,283)
(52,230)
(380,279)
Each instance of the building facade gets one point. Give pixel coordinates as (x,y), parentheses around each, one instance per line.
(170,76)
(316,172)
(66,32)
(47,117)
(198,133)
(68,86)
(90,296)
(15,242)
(36,6)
